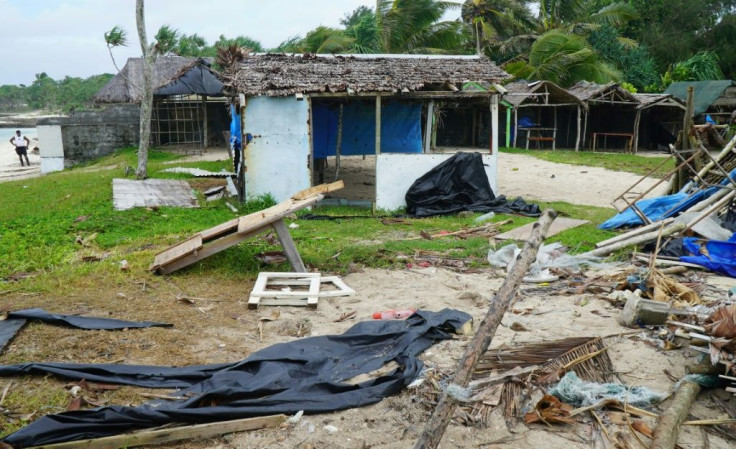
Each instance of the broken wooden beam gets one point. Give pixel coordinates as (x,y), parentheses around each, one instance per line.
(317,190)
(437,424)
(636,240)
(147,437)
(669,422)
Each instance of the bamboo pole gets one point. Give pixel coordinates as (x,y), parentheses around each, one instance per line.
(437,424)
(643,238)
(637,121)
(577,135)
(669,422)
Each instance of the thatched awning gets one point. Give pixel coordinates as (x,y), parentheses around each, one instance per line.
(602,93)
(538,93)
(280,75)
(647,101)
(172,75)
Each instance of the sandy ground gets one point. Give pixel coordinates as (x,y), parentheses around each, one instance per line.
(10,168)
(535,179)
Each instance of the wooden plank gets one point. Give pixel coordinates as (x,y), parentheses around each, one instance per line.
(523,232)
(283,302)
(217,231)
(208,250)
(292,255)
(320,189)
(176,252)
(260,285)
(273,213)
(149,437)
(313,293)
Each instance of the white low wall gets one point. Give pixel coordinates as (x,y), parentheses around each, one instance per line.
(51,148)
(395,173)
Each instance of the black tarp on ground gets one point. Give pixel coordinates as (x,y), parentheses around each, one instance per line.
(460,183)
(15,321)
(307,374)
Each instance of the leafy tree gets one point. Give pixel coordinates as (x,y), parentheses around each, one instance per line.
(42,92)
(564,59)
(167,40)
(361,27)
(635,62)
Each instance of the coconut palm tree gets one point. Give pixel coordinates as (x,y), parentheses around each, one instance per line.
(493,21)
(415,26)
(562,58)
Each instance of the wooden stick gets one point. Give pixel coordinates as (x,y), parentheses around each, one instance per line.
(437,424)
(171,434)
(643,238)
(669,422)
(634,232)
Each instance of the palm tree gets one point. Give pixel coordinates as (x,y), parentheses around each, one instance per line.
(564,59)
(493,21)
(414,26)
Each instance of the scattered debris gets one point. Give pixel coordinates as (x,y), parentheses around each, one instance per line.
(295,289)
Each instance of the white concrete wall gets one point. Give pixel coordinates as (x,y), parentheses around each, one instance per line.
(395,173)
(278,155)
(51,148)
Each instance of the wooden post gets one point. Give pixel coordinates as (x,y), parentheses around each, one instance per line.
(378,125)
(554,133)
(635,147)
(508,126)
(338,143)
(435,428)
(494,124)
(669,422)
(585,126)
(204,121)
(292,255)
(577,135)
(428,127)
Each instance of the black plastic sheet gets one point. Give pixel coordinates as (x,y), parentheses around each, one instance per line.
(309,374)
(15,321)
(460,183)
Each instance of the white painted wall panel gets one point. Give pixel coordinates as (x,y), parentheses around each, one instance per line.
(278,155)
(395,173)
(50,143)
(51,164)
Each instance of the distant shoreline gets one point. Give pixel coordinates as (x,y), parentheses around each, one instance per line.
(23,119)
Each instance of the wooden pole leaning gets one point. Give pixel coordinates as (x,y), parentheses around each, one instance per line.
(437,424)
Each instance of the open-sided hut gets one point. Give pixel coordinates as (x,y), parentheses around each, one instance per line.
(661,119)
(298,110)
(551,114)
(716,98)
(184,114)
(612,114)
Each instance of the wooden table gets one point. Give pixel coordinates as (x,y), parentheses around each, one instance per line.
(629,144)
(539,135)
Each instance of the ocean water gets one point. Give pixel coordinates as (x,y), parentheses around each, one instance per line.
(7,133)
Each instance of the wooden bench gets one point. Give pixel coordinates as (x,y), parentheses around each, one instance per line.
(539,137)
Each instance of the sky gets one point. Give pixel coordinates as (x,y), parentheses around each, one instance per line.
(66,37)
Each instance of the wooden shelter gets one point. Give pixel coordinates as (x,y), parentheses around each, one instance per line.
(543,99)
(298,108)
(661,118)
(611,113)
(184,114)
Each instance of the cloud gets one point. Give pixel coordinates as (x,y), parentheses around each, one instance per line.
(66,37)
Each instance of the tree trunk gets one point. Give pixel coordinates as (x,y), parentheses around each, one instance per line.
(149,57)
(669,422)
(435,428)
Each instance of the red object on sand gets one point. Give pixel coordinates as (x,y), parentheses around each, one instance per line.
(394,314)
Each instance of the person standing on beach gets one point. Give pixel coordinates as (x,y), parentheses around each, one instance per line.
(21,143)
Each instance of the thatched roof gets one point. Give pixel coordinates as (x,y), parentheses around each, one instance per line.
(279,75)
(651,100)
(538,92)
(601,93)
(717,94)
(125,86)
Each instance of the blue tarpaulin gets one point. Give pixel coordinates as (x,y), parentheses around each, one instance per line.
(401,128)
(662,207)
(715,255)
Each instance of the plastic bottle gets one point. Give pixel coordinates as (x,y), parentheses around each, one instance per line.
(394,314)
(485,217)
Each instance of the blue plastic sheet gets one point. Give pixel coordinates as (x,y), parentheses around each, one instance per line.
(715,255)
(662,207)
(401,128)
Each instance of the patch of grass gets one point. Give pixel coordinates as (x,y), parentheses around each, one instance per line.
(640,165)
